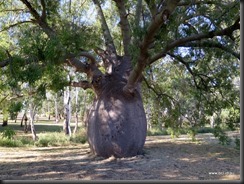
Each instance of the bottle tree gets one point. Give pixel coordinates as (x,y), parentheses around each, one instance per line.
(113,60)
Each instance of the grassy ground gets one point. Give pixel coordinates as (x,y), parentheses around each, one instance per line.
(164,159)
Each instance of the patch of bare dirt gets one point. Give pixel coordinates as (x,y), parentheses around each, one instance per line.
(164,159)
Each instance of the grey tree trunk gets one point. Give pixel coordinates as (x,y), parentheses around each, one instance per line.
(67,111)
(76,110)
(32,116)
(117,122)
(56,109)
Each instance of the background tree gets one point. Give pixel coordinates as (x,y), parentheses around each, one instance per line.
(200,38)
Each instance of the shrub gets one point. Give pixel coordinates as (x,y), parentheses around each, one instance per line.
(237,143)
(192,133)
(205,130)
(174,132)
(52,139)
(26,141)
(5,142)
(157,131)
(8,133)
(80,136)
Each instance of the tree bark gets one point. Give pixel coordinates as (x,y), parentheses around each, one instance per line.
(76,110)
(116,122)
(32,116)
(57,117)
(67,111)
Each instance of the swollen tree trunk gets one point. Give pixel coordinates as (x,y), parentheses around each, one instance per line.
(117,123)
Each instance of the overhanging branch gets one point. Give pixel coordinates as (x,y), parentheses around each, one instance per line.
(181,42)
(148,39)
(90,69)
(43,16)
(39,19)
(14,25)
(202,77)
(82,84)
(210,44)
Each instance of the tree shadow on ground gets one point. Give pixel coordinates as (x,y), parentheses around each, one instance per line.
(173,160)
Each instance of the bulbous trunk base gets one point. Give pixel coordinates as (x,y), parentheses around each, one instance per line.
(117,124)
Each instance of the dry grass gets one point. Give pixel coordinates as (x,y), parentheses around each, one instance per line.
(164,159)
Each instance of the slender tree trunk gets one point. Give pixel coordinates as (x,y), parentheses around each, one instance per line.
(48,109)
(26,126)
(76,110)
(32,116)
(24,118)
(57,117)
(15,120)
(67,111)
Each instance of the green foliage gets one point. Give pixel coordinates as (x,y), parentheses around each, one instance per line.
(79,137)
(8,133)
(205,130)
(173,132)
(60,139)
(187,87)
(26,141)
(20,142)
(5,142)
(233,119)
(221,135)
(14,108)
(237,143)
(52,139)
(157,131)
(192,132)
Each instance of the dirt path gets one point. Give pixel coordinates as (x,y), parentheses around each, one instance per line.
(164,159)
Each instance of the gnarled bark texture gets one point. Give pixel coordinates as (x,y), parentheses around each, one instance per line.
(117,121)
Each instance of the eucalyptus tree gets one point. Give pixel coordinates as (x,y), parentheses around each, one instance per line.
(53,34)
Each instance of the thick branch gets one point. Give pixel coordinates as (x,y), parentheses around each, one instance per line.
(152,7)
(106,33)
(181,42)
(82,84)
(157,22)
(13,25)
(39,20)
(13,10)
(4,63)
(187,3)
(43,16)
(124,24)
(33,12)
(89,68)
(210,44)
(77,64)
